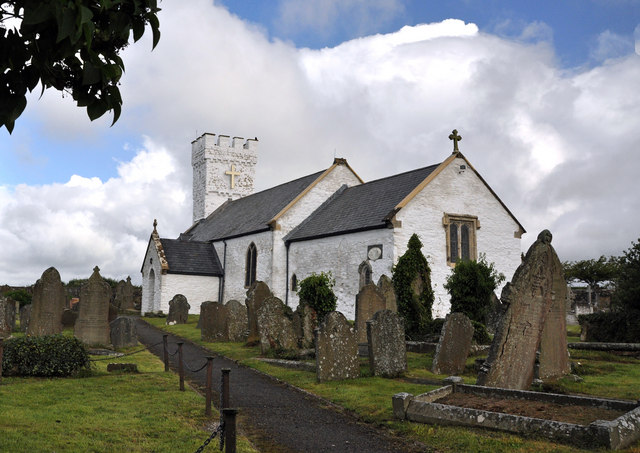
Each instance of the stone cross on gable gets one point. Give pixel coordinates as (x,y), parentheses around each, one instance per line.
(233,173)
(456,138)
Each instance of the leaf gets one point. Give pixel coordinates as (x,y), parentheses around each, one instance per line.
(38,15)
(155,29)
(90,74)
(66,24)
(96,109)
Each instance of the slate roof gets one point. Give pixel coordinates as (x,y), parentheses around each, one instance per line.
(250,214)
(358,208)
(191,258)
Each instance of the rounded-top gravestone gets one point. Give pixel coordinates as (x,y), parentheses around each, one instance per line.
(49,300)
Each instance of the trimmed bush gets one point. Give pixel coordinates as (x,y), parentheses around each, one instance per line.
(612,326)
(46,356)
(317,291)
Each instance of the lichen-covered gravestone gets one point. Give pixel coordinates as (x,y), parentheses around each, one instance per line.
(454,345)
(256,295)
(213,319)
(336,349)
(368,301)
(49,300)
(385,284)
(178,310)
(387,349)
(237,327)
(124,299)
(92,325)
(534,320)
(123,332)
(305,321)
(25,317)
(275,326)
(6,322)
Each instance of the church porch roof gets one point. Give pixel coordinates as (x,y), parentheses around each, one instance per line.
(191,258)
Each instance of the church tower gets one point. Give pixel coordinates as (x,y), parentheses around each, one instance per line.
(223,168)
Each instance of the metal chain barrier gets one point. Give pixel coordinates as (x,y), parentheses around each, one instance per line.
(198,370)
(215,432)
(146,348)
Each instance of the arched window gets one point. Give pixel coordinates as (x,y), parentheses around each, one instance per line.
(294,283)
(152,291)
(250,269)
(365,274)
(461,237)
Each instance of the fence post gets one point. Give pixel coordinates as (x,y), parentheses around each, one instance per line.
(207,408)
(165,354)
(224,393)
(1,352)
(180,366)
(229,429)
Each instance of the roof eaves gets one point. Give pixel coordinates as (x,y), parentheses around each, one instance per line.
(338,233)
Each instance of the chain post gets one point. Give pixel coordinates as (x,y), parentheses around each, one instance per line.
(180,366)
(224,394)
(165,352)
(207,409)
(229,415)
(1,352)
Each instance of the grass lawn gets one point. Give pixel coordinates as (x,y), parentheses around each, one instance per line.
(604,375)
(105,412)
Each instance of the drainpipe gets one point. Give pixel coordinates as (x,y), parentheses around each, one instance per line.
(286,278)
(224,273)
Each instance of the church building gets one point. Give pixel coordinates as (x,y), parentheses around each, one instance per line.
(328,221)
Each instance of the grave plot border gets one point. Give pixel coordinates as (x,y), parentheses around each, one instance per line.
(614,434)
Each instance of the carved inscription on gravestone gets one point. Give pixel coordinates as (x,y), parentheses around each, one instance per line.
(453,345)
(275,326)
(49,300)
(213,319)
(336,349)
(387,349)
(92,325)
(178,310)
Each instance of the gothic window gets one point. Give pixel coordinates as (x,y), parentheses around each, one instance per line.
(365,274)
(250,268)
(461,237)
(294,283)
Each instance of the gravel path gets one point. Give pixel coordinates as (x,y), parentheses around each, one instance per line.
(275,416)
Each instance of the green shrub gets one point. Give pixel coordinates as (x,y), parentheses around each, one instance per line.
(317,291)
(19,295)
(414,308)
(480,334)
(612,326)
(471,285)
(627,295)
(47,356)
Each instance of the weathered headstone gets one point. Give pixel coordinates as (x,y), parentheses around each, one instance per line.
(387,349)
(123,332)
(49,300)
(305,320)
(213,320)
(237,327)
(368,301)
(336,349)
(454,345)
(533,297)
(69,317)
(124,299)
(256,295)
(6,323)
(92,325)
(275,326)
(25,316)
(178,310)
(388,293)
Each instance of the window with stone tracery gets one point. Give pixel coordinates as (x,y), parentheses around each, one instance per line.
(250,268)
(461,237)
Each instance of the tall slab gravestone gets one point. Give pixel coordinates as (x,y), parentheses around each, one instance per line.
(6,321)
(49,300)
(368,301)
(178,310)
(305,320)
(387,349)
(237,327)
(213,319)
(275,326)
(256,295)
(92,325)
(25,317)
(124,299)
(454,345)
(336,349)
(123,332)
(534,297)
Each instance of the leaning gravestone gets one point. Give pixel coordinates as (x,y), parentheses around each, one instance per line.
(305,320)
(275,326)
(25,316)
(49,300)
(213,319)
(178,310)
(336,349)
(123,332)
(256,295)
(535,296)
(387,349)
(237,325)
(92,325)
(5,317)
(453,346)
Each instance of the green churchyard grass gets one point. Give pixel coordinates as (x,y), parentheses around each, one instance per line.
(604,374)
(138,412)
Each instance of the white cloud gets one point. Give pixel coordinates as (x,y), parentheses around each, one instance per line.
(611,45)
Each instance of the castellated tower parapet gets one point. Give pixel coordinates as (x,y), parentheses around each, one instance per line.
(223,169)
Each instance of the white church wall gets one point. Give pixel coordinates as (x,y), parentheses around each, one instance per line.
(458,192)
(319,193)
(196,288)
(151,285)
(342,255)
(235,263)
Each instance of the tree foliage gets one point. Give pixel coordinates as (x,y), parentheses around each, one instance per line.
(71,46)
(628,279)
(412,284)
(19,295)
(470,286)
(593,272)
(317,291)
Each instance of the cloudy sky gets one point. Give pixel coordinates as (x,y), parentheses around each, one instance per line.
(545,95)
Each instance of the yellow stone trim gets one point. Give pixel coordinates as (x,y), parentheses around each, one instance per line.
(155,237)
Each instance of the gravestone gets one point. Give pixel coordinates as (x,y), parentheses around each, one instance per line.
(305,320)
(237,327)
(124,299)
(387,349)
(275,326)
(6,322)
(92,325)
(535,296)
(69,317)
(368,301)
(213,319)
(49,300)
(25,317)
(123,332)
(336,349)
(453,346)
(256,295)
(388,293)
(178,310)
